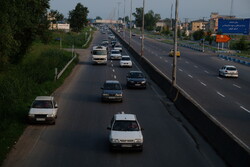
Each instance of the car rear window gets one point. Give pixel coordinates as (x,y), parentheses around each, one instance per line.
(231,68)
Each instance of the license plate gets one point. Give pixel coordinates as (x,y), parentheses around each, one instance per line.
(40,119)
(126,145)
(111,97)
(137,84)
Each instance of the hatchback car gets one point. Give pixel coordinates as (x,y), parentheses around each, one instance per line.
(228,71)
(125,132)
(115,55)
(112,91)
(136,79)
(43,109)
(125,61)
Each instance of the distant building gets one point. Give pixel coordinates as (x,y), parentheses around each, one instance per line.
(199,25)
(213,22)
(161,23)
(60,26)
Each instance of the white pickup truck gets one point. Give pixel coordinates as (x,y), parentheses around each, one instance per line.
(99,55)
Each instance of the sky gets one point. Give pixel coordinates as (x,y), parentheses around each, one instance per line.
(188,9)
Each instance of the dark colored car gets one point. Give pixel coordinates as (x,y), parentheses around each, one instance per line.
(136,79)
(112,91)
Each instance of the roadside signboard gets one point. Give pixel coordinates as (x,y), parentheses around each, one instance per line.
(222,38)
(234,26)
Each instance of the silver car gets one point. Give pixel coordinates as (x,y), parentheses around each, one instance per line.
(228,71)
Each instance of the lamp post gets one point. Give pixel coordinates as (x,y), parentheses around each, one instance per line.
(175,46)
(142,30)
(130,26)
(124,27)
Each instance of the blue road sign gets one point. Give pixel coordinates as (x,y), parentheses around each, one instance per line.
(234,26)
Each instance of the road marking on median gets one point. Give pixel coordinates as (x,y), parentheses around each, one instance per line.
(237,86)
(220,94)
(244,109)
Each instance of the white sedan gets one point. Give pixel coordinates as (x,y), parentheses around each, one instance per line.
(115,54)
(125,61)
(228,71)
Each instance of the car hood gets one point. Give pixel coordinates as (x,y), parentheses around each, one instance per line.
(126,135)
(42,110)
(112,91)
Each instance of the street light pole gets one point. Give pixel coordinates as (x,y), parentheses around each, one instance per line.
(175,46)
(130,26)
(124,22)
(142,30)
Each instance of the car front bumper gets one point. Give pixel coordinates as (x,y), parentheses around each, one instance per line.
(50,120)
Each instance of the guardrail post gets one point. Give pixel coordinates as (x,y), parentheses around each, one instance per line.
(56,74)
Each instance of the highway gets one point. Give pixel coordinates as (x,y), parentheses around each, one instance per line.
(226,99)
(80,136)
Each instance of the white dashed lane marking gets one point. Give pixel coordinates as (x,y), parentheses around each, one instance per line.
(237,86)
(220,94)
(244,109)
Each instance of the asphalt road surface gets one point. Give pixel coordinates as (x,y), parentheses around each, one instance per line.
(80,136)
(226,99)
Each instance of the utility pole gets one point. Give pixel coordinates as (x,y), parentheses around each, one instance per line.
(124,21)
(142,30)
(175,45)
(118,3)
(130,25)
(171,26)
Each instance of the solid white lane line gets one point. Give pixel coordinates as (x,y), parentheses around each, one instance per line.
(237,86)
(190,76)
(180,70)
(245,109)
(166,61)
(220,94)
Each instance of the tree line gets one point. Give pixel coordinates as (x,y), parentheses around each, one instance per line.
(23,21)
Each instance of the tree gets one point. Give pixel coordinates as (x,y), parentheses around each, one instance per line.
(55,16)
(151,19)
(138,17)
(98,18)
(21,22)
(198,35)
(78,17)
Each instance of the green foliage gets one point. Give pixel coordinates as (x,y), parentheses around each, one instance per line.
(56,16)
(241,44)
(21,21)
(150,20)
(138,17)
(78,17)
(21,84)
(198,35)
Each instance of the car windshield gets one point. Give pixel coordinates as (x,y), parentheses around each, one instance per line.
(112,86)
(125,126)
(115,52)
(42,104)
(125,58)
(136,75)
(100,52)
